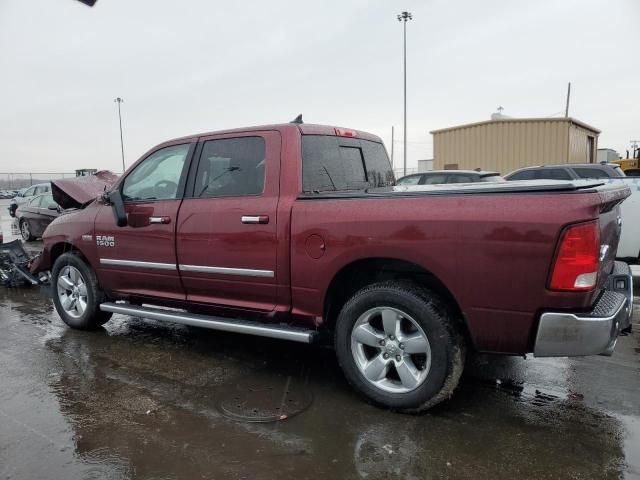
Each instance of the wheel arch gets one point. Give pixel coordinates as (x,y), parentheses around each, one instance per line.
(65,247)
(360,273)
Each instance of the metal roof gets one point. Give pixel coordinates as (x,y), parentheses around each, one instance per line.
(519,120)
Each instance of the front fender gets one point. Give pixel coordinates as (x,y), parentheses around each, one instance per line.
(70,231)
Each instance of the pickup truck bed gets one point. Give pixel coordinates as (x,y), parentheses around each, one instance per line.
(297,232)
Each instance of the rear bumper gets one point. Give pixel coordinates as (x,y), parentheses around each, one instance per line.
(566,334)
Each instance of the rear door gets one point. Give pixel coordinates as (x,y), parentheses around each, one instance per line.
(227,238)
(140,258)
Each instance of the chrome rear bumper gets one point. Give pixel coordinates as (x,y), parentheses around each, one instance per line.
(565,334)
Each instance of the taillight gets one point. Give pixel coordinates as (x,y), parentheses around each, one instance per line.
(577,262)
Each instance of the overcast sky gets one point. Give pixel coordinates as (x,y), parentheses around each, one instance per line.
(193,66)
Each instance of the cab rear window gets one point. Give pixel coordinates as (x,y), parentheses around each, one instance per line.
(336,163)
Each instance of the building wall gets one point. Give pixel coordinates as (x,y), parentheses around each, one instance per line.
(606,155)
(506,145)
(580,150)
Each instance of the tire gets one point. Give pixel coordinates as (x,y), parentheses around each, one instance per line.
(76,293)
(424,359)
(25,231)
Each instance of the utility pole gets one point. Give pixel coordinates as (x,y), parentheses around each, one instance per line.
(119,101)
(566,108)
(392,146)
(405,17)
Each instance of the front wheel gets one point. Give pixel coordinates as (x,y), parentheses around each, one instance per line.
(399,345)
(76,293)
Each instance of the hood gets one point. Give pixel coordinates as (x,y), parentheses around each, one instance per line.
(80,191)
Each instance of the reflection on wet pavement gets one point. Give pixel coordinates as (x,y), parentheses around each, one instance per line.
(140,399)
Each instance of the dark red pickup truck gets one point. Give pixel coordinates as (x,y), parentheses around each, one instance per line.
(297,232)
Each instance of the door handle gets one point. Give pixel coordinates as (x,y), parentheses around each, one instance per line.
(255,219)
(160,220)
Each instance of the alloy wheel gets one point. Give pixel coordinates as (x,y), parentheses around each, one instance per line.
(72,291)
(390,349)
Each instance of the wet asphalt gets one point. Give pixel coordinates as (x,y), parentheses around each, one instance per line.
(146,400)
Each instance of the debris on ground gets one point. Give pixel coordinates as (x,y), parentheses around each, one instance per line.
(14,266)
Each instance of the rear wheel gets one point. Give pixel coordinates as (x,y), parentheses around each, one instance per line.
(25,230)
(76,293)
(398,345)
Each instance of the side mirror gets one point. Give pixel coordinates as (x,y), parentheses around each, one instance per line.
(117,204)
(53,206)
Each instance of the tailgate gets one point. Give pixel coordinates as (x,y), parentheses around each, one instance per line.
(611,221)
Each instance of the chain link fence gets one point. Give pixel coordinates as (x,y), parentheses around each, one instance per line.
(16,181)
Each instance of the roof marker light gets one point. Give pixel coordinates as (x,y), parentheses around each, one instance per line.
(343,132)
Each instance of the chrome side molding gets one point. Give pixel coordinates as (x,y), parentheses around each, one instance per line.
(247,272)
(137,264)
(227,271)
(282,332)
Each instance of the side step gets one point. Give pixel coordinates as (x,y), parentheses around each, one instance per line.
(295,334)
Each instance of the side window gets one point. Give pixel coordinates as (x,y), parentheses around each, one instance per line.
(434,179)
(231,167)
(459,179)
(36,201)
(412,180)
(554,174)
(30,192)
(47,201)
(591,173)
(523,175)
(158,176)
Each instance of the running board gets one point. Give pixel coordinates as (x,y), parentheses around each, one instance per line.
(295,334)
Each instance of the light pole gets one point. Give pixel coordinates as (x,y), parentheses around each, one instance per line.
(119,101)
(405,17)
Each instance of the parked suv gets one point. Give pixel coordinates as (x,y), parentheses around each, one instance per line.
(449,176)
(27,194)
(570,171)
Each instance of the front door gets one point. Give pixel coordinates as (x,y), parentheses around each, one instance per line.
(227,237)
(140,258)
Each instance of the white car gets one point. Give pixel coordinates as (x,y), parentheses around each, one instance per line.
(629,246)
(27,194)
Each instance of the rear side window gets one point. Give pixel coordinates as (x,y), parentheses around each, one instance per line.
(542,173)
(586,172)
(336,163)
(231,167)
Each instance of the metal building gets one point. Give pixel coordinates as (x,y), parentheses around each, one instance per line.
(506,144)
